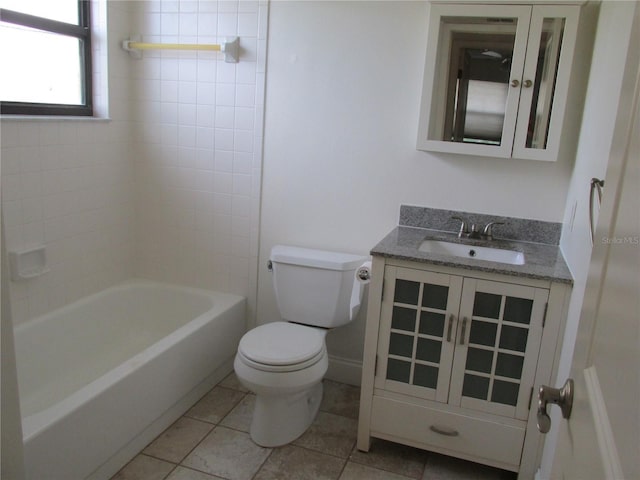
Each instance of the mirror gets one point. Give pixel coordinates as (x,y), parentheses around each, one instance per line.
(545,81)
(478,86)
(490,81)
(476,78)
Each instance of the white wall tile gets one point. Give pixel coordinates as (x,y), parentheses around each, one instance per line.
(166,189)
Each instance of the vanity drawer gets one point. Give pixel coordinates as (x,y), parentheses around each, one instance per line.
(447,431)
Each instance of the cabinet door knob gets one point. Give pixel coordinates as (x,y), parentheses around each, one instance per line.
(449,328)
(463,333)
(527,83)
(515,82)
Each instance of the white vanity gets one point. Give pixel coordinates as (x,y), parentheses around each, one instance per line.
(456,347)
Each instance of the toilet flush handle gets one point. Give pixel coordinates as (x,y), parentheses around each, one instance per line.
(270,265)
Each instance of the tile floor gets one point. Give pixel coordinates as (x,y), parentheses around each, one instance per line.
(211,441)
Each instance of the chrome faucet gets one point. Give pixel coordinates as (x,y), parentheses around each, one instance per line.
(474,233)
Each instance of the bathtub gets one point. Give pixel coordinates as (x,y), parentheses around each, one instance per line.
(102,377)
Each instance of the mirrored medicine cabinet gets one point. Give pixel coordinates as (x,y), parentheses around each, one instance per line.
(496,79)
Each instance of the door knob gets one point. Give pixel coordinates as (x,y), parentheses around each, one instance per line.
(563,397)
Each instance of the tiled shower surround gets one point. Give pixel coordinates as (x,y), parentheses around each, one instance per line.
(168,188)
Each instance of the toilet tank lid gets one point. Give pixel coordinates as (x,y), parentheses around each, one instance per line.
(309,257)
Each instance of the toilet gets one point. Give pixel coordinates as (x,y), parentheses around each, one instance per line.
(284,362)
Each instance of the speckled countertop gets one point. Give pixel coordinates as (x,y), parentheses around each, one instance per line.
(542,261)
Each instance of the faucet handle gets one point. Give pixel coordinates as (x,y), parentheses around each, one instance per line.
(463,226)
(487,231)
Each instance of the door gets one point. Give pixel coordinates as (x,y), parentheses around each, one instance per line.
(498,344)
(600,439)
(417,332)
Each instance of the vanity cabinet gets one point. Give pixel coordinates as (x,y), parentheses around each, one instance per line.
(497,79)
(452,358)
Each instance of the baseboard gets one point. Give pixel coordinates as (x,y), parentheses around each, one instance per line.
(344,370)
(135,446)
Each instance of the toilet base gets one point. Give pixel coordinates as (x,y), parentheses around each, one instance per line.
(278,420)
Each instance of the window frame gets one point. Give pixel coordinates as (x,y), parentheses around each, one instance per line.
(81,31)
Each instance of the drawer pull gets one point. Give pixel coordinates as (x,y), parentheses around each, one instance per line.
(447,432)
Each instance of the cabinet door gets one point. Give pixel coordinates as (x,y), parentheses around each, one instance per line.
(498,345)
(473,66)
(545,82)
(417,332)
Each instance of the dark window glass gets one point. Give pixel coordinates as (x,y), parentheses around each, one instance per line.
(401,345)
(435,296)
(398,370)
(505,393)
(425,376)
(428,350)
(475,387)
(483,333)
(513,338)
(406,292)
(518,310)
(432,324)
(486,305)
(404,318)
(479,360)
(509,365)
(47,70)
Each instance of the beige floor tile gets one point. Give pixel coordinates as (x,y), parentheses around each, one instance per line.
(355,471)
(441,467)
(392,457)
(178,440)
(215,405)
(331,434)
(227,453)
(340,399)
(182,473)
(231,381)
(143,467)
(240,417)
(295,463)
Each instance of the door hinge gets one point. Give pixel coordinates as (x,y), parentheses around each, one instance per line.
(530,397)
(382,294)
(544,316)
(375,367)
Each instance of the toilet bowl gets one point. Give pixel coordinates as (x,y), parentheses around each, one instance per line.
(283,362)
(287,383)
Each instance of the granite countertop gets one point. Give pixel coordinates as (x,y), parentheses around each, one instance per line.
(542,261)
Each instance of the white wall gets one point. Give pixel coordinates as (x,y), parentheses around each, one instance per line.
(69,185)
(343,92)
(198,145)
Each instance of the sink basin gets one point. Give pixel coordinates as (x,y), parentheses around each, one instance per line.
(468,251)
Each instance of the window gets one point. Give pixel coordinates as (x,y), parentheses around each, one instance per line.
(45,57)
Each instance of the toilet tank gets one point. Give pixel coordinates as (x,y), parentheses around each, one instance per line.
(316,287)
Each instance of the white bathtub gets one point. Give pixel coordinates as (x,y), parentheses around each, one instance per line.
(100,378)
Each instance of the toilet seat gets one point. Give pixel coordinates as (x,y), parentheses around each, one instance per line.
(282,347)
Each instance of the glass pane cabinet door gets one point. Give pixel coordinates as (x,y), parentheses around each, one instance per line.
(545,82)
(498,344)
(471,88)
(417,332)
